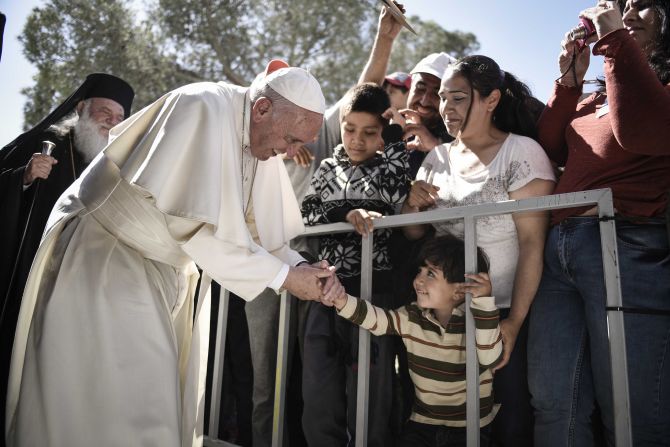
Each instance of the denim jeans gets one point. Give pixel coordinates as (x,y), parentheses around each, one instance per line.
(568,350)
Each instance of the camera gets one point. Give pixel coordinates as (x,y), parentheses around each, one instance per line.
(582,32)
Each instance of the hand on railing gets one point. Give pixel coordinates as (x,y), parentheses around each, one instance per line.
(362,220)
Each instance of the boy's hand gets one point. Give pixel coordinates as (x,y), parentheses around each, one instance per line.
(480,285)
(334,293)
(303,157)
(362,220)
(394,117)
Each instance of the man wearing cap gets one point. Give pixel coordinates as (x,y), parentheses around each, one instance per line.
(111,344)
(31,182)
(425,126)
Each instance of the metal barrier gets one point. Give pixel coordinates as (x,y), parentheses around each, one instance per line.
(602,198)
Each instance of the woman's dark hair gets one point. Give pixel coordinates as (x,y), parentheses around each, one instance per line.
(513,113)
(367,97)
(659,59)
(448,253)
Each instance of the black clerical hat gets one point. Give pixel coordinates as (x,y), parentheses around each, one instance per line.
(96,85)
(102,85)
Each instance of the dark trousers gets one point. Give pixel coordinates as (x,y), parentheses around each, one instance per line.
(513,425)
(330,379)
(427,435)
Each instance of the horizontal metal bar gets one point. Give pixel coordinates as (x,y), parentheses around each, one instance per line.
(209,442)
(556,201)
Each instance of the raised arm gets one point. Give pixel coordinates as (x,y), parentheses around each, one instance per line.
(387,31)
(368,316)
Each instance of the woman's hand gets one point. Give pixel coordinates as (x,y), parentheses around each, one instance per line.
(362,220)
(509,329)
(569,49)
(606,17)
(422,195)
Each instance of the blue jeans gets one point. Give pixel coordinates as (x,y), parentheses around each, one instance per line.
(568,352)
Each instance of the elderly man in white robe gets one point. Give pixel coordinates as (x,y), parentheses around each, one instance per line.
(110,349)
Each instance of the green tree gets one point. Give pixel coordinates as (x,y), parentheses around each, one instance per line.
(174,42)
(409,49)
(68,39)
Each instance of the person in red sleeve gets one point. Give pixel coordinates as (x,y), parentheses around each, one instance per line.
(617,138)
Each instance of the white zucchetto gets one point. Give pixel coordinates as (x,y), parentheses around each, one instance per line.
(295,84)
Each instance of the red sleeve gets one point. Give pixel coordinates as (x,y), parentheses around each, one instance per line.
(555,119)
(639,104)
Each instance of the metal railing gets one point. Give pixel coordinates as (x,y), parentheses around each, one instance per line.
(602,198)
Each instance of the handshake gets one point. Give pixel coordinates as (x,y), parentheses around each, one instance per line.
(314,282)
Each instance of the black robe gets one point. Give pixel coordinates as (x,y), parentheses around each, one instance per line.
(15,204)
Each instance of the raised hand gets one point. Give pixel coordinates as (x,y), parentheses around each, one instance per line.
(388,26)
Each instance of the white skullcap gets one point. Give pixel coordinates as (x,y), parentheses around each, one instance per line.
(435,64)
(295,84)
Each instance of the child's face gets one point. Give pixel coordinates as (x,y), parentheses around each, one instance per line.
(396,96)
(433,291)
(361,136)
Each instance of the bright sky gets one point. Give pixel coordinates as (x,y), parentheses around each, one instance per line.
(523,36)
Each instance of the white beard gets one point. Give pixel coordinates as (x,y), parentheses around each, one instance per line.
(87,138)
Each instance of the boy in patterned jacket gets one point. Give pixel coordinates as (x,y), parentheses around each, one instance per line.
(366,178)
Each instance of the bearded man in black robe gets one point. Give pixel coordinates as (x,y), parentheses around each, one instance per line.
(31,181)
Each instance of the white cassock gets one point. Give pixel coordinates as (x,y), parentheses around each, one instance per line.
(107,352)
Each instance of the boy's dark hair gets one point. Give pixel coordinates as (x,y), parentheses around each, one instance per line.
(448,253)
(367,97)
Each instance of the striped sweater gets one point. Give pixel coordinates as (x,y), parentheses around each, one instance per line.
(436,355)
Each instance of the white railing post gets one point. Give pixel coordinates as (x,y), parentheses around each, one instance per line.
(615,323)
(217,372)
(281,371)
(472,361)
(362,391)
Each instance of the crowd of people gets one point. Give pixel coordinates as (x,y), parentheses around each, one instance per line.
(120,230)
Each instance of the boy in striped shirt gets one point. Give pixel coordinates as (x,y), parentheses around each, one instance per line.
(433,330)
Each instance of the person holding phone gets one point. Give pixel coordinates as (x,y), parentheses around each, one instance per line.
(616,138)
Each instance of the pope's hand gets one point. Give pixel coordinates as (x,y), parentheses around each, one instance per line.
(305,281)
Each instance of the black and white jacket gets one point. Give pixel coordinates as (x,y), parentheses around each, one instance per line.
(379,184)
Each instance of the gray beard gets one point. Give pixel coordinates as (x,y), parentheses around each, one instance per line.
(87,139)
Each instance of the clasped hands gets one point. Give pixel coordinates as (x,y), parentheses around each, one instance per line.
(314,282)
